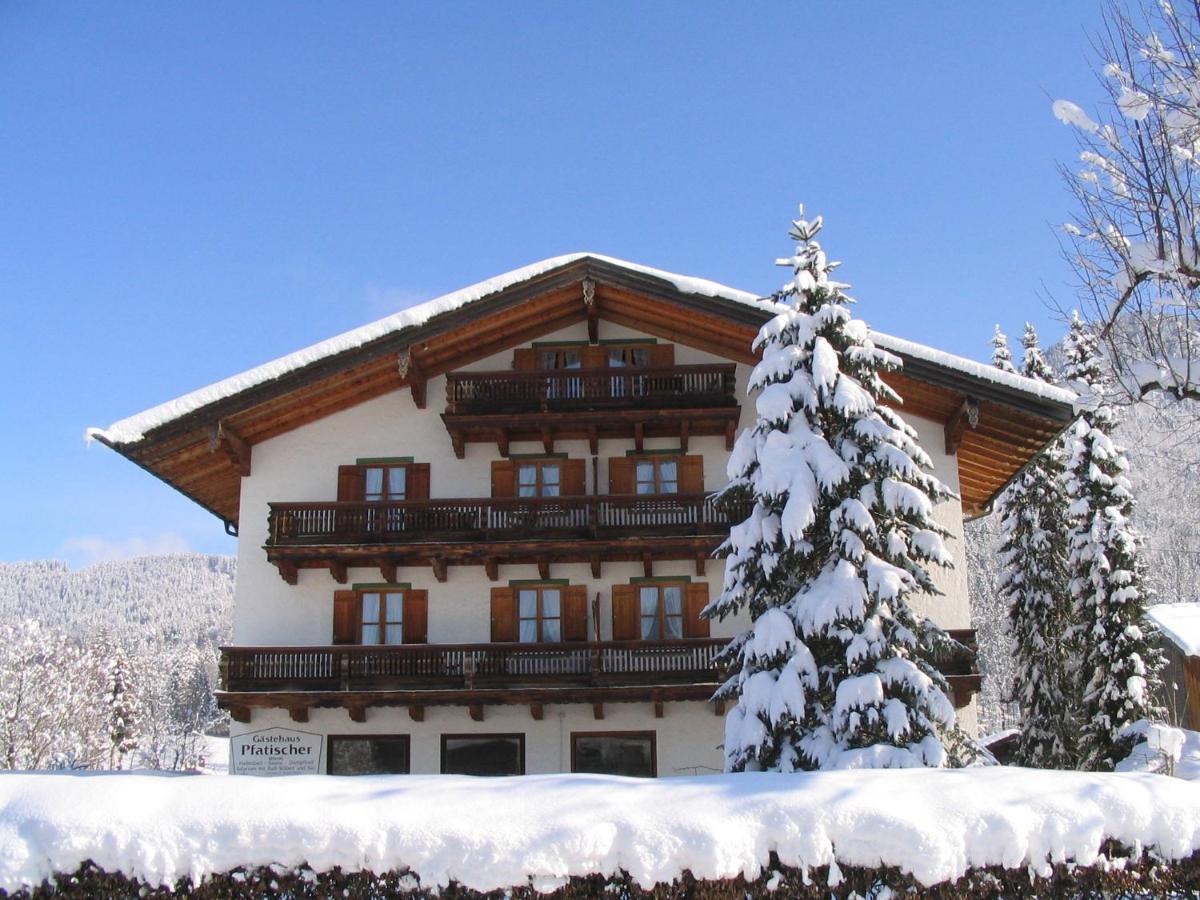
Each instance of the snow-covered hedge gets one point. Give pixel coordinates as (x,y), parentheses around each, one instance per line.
(999,826)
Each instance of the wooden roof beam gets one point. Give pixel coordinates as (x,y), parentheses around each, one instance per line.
(967,414)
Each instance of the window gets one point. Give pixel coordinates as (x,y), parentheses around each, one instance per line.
(382,617)
(539,478)
(626,357)
(483,754)
(375,755)
(561,358)
(614,753)
(657,476)
(539,614)
(661,611)
(385,483)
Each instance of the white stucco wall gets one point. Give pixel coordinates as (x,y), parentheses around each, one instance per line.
(301,465)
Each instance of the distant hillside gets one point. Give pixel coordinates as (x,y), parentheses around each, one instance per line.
(156,599)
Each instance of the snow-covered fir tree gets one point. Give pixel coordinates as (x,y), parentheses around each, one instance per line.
(1033,585)
(840,535)
(1002,357)
(1119,664)
(123,707)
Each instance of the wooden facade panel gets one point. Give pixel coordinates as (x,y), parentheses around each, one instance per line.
(626,615)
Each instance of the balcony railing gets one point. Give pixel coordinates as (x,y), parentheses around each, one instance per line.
(470,666)
(666,387)
(500,519)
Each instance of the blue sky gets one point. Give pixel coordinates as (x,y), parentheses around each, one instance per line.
(189,190)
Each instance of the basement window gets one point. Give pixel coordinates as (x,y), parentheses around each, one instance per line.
(375,755)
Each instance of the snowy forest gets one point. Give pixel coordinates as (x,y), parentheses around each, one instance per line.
(113,665)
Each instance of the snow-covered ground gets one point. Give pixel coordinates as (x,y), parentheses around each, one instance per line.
(216,755)
(491,833)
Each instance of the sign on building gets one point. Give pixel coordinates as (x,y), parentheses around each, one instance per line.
(276,751)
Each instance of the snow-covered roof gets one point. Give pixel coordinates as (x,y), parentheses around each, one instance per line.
(1180,623)
(134,428)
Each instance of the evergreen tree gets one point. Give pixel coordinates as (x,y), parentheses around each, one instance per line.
(123,708)
(1001,356)
(841,531)
(1118,661)
(1033,584)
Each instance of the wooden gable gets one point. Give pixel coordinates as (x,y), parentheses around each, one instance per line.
(994,429)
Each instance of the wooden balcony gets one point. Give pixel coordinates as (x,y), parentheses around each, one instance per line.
(478,675)
(575,404)
(492,531)
(475,675)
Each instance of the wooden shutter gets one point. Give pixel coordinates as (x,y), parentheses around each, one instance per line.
(695,599)
(346,617)
(626,613)
(504,478)
(351,483)
(593,357)
(525,358)
(417,487)
(574,477)
(416,617)
(504,615)
(691,474)
(662,355)
(574,613)
(620,475)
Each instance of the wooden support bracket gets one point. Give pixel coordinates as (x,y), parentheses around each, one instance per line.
(719,707)
(416,713)
(658,709)
(535,710)
(387,570)
(240,714)
(730,434)
(410,370)
(639,436)
(648,565)
(597,711)
(491,566)
(595,561)
(476,711)
(684,428)
(547,439)
(543,565)
(593,314)
(956,426)
(224,439)
(337,568)
(357,711)
(288,571)
(593,437)
(298,713)
(459,443)
(701,562)
(439,568)
(502,441)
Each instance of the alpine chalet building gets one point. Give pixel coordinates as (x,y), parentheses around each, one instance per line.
(476,536)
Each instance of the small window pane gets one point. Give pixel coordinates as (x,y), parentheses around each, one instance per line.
(674,626)
(397,482)
(616,359)
(549,359)
(549,490)
(615,754)
(370,607)
(639,357)
(527,474)
(551,631)
(393,634)
(483,755)
(666,470)
(673,595)
(370,634)
(528,601)
(571,359)
(528,631)
(550,602)
(374,483)
(649,596)
(550,474)
(368,756)
(650,628)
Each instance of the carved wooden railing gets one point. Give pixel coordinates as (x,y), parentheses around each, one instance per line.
(469,666)
(570,389)
(499,519)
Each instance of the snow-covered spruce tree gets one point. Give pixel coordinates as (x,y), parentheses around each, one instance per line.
(123,709)
(828,675)
(1001,356)
(1033,585)
(1119,664)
